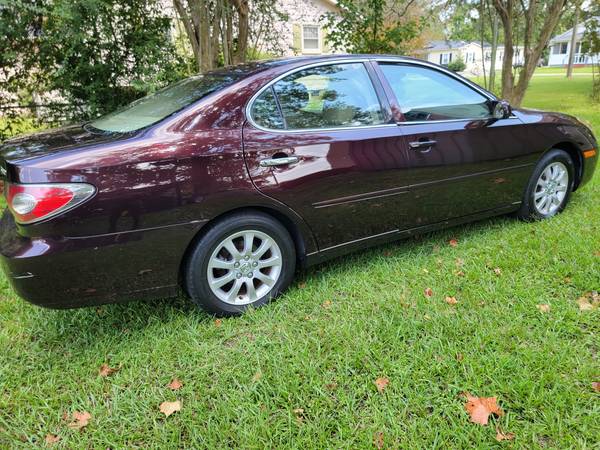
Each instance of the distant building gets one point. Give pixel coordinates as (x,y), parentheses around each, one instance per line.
(444,52)
(560,48)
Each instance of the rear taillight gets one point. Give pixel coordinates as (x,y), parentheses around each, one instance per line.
(31,203)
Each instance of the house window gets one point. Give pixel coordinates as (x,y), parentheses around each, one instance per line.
(310,37)
(500,56)
(563,48)
(578,48)
(445,58)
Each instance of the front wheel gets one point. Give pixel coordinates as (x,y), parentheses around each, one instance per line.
(244,260)
(549,188)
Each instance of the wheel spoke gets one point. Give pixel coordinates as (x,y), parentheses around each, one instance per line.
(264,246)
(234,291)
(218,263)
(248,241)
(251,290)
(232,249)
(272,261)
(264,278)
(217,283)
(539,195)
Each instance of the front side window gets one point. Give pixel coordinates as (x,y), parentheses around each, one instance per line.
(334,96)
(427,94)
(310,37)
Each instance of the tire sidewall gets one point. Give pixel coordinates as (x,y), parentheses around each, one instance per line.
(528,209)
(197,266)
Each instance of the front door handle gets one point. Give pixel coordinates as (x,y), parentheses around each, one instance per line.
(271,162)
(421,144)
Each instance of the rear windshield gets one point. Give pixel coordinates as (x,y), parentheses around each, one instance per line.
(155,107)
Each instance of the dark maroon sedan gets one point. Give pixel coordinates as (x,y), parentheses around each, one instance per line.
(223,184)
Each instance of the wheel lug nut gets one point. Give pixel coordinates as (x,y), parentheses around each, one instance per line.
(246,257)
(238,275)
(236,265)
(249,275)
(254,264)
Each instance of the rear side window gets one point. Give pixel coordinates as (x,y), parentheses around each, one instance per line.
(333,96)
(265,111)
(426,94)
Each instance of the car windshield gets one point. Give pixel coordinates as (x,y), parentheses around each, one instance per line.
(155,107)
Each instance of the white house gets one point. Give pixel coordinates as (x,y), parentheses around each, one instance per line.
(444,52)
(560,48)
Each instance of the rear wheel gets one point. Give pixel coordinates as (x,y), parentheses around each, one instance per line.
(549,188)
(244,260)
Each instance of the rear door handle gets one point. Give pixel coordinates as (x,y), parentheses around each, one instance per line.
(421,144)
(271,162)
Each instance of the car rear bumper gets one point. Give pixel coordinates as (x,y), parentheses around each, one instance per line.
(73,272)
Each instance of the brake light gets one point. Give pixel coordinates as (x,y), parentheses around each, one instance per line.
(31,203)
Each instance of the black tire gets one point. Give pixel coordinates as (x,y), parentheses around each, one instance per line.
(528,210)
(197,266)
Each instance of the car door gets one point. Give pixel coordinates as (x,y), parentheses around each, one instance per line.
(462,161)
(321,140)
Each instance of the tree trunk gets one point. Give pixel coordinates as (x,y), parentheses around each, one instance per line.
(492,78)
(573,43)
(533,47)
(482,19)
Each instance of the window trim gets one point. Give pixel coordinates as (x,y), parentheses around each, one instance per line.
(312,51)
(383,101)
(391,101)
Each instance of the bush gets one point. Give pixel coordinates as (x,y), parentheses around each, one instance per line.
(458,65)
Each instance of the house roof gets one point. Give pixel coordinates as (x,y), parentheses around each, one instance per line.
(450,45)
(566,36)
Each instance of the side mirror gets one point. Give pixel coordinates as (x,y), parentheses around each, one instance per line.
(500,109)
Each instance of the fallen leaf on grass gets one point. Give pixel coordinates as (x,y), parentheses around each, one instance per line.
(299,413)
(80,420)
(480,408)
(460,357)
(597,253)
(301,285)
(331,386)
(498,271)
(589,300)
(451,300)
(500,436)
(596,386)
(326,304)
(459,273)
(175,384)
(428,292)
(378,440)
(51,439)
(453,242)
(459,262)
(218,322)
(168,408)
(257,376)
(381,384)
(543,308)
(105,370)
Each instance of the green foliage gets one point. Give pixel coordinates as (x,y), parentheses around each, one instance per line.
(92,55)
(458,65)
(370,26)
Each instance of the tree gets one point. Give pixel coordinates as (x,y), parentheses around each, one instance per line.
(536,33)
(372,26)
(89,56)
(573,40)
(219,30)
(457,65)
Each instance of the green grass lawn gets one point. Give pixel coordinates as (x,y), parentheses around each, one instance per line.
(300,373)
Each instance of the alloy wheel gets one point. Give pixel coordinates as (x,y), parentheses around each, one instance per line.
(551,188)
(244,267)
